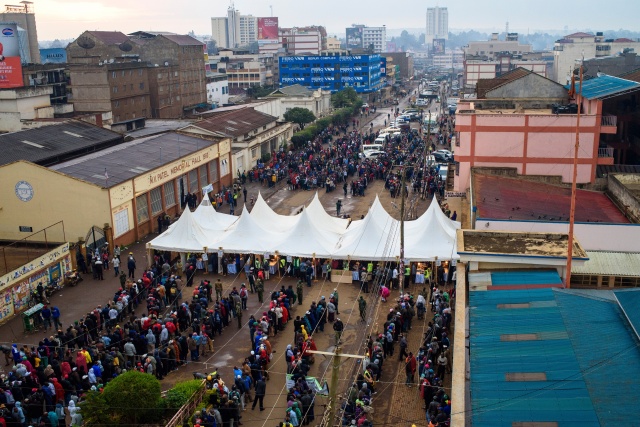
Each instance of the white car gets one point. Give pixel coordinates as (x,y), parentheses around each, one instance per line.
(445,152)
(372,154)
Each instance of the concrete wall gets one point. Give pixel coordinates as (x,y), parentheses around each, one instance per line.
(622,187)
(90,89)
(530,86)
(10,122)
(592,237)
(51,195)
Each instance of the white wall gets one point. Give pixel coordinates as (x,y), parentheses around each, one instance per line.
(592,237)
(218,92)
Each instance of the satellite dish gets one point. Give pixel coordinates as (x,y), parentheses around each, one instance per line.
(156,65)
(166,64)
(85,42)
(111,61)
(125,47)
(100,63)
(139,60)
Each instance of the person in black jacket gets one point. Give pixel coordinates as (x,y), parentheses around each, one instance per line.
(261,390)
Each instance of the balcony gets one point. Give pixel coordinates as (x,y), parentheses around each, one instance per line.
(609,124)
(605,156)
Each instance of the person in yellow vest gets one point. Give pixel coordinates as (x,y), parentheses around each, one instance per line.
(407,275)
(283,263)
(329,270)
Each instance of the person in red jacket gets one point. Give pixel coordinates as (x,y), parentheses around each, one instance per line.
(410,368)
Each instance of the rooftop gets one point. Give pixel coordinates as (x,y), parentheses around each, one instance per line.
(603,171)
(604,86)
(505,198)
(182,40)
(517,243)
(578,35)
(485,85)
(293,90)
(600,263)
(235,122)
(55,143)
(556,357)
(133,158)
(110,37)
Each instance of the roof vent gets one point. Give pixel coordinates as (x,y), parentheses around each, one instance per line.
(33,144)
(72,134)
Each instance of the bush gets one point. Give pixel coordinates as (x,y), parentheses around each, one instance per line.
(133,397)
(180,394)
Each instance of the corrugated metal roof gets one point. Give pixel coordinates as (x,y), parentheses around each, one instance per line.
(603,170)
(131,159)
(629,302)
(604,87)
(486,85)
(497,402)
(236,122)
(110,37)
(582,346)
(609,264)
(499,197)
(182,40)
(54,143)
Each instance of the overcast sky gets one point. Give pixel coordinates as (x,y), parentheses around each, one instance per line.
(68,18)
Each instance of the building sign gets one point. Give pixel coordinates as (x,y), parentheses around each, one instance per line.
(56,55)
(438,46)
(10,63)
(268,30)
(25,229)
(354,38)
(39,263)
(449,194)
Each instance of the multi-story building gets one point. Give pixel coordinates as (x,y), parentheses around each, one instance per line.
(437,24)
(175,81)
(25,17)
(494,47)
(122,88)
(298,41)
(477,69)
(577,46)
(333,44)
(449,59)
(404,60)
(374,38)
(244,69)
(217,89)
(332,72)
(525,121)
(54,75)
(234,30)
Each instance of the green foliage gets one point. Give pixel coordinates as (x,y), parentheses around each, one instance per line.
(344,98)
(300,116)
(181,393)
(323,123)
(132,397)
(95,410)
(258,91)
(266,157)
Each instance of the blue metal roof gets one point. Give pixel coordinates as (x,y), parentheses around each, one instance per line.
(583,345)
(629,301)
(525,278)
(604,86)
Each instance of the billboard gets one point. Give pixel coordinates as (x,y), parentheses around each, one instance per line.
(354,38)
(438,46)
(10,65)
(56,55)
(268,30)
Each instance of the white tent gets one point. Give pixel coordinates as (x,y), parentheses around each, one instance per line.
(246,236)
(185,235)
(305,239)
(208,218)
(268,219)
(376,237)
(322,220)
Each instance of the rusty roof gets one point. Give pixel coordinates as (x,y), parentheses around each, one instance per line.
(633,75)
(499,197)
(182,40)
(110,37)
(578,35)
(236,122)
(485,85)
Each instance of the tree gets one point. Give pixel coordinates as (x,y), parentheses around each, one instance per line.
(344,98)
(129,398)
(258,91)
(300,116)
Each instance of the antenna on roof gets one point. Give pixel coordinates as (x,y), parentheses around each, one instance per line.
(507,28)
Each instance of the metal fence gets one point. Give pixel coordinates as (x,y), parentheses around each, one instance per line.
(188,408)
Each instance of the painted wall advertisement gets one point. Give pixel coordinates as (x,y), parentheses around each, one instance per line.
(16,286)
(354,37)
(268,30)
(10,64)
(54,55)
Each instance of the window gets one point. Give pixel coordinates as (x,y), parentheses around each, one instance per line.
(123,73)
(169,194)
(116,104)
(141,86)
(121,222)
(113,74)
(224,167)
(139,72)
(193,181)
(213,170)
(124,88)
(254,152)
(202,170)
(143,208)
(156,201)
(115,89)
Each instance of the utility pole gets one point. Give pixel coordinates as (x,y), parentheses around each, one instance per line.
(401,266)
(335,374)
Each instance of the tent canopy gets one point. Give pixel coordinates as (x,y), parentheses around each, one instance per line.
(185,235)
(270,220)
(211,219)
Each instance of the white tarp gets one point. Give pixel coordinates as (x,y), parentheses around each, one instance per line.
(322,220)
(268,219)
(210,219)
(246,236)
(185,235)
(306,240)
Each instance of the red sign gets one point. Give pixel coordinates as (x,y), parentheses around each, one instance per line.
(268,29)
(11,72)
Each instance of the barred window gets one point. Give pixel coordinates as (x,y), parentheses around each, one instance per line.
(193,181)
(142,208)
(213,170)
(202,170)
(156,201)
(169,194)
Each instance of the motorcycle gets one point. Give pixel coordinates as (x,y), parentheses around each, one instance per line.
(52,288)
(72,278)
(37,299)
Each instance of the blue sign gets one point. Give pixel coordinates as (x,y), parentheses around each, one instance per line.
(56,55)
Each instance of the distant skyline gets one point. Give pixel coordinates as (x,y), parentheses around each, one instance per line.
(61,19)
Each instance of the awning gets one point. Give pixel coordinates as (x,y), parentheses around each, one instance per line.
(626,264)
